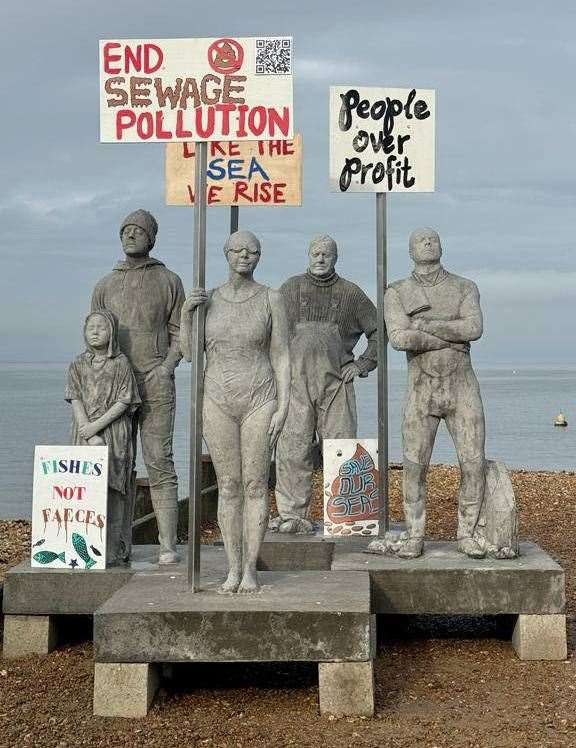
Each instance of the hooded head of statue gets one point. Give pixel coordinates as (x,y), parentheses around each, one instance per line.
(138,232)
(103,332)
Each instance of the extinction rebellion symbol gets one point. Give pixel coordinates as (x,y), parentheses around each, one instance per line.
(225,56)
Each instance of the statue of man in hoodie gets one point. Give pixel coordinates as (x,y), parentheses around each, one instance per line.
(147,298)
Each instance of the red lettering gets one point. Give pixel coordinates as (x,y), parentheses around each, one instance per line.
(288,148)
(133,58)
(240,191)
(190,194)
(125,118)
(241,129)
(149,66)
(217,147)
(257,120)
(279,192)
(278,121)
(145,126)
(233,148)
(110,58)
(275,145)
(188,150)
(213,194)
(161,133)
(205,130)
(180,131)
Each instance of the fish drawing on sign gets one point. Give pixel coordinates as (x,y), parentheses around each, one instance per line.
(80,547)
(354,492)
(39,542)
(46,557)
(95,551)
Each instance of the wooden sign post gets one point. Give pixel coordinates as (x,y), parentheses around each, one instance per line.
(382,140)
(196,91)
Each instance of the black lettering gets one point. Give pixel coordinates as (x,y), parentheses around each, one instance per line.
(360,141)
(351,166)
(350,101)
(421,110)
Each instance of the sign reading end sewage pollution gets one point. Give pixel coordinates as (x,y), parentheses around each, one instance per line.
(69,507)
(195,89)
(381,139)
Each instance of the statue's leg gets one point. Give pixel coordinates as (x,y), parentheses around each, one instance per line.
(294,460)
(255,449)
(156,431)
(222,435)
(467,429)
(115,517)
(337,417)
(418,434)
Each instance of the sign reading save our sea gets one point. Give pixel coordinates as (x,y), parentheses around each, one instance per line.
(69,507)
(263,172)
(382,139)
(196,89)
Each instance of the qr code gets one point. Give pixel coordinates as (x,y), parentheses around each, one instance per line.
(274,56)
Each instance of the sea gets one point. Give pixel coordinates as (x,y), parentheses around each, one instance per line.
(520,402)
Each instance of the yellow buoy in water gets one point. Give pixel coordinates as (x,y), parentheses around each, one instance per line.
(560,420)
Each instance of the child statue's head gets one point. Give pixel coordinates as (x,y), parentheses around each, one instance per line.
(101,333)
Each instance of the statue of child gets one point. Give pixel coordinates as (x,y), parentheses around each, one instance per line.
(103,392)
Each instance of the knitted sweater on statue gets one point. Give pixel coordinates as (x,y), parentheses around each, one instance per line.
(338,301)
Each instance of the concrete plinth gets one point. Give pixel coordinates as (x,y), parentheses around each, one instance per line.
(28,635)
(34,591)
(312,616)
(540,637)
(124,689)
(446,582)
(346,688)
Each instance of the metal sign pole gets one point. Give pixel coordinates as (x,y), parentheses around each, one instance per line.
(234,218)
(381,283)
(197,347)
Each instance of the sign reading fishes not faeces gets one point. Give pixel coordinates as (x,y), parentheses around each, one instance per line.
(69,507)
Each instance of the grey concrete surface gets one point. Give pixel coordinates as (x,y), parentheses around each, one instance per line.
(124,689)
(540,637)
(28,635)
(346,688)
(299,616)
(443,581)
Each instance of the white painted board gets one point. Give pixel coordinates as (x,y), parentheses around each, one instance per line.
(69,507)
(350,487)
(382,139)
(161,90)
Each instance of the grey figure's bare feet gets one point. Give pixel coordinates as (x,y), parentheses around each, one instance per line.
(249,583)
(232,581)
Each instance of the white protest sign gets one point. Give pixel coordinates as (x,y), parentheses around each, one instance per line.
(263,172)
(69,507)
(350,487)
(159,90)
(382,139)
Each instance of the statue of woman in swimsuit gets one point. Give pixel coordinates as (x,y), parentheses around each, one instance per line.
(246,392)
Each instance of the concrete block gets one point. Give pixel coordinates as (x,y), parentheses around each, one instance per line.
(28,635)
(35,591)
(446,582)
(313,616)
(540,637)
(346,688)
(124,689)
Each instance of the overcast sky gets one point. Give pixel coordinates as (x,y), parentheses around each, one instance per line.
(506,182)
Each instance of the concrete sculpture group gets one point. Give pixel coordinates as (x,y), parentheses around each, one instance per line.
(278,375)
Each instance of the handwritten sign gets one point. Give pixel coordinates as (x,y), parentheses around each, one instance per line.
(69,507)
(381,139)
(195,89)
(263,172)
(350,487)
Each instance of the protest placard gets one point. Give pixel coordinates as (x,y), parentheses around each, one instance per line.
(351,503)
(263,172)
(195,89)
(382,139)
(69,507)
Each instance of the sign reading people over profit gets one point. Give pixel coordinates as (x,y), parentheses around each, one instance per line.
(381,139)
(350,487)
(262,172)
(195,89)
(69,507)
